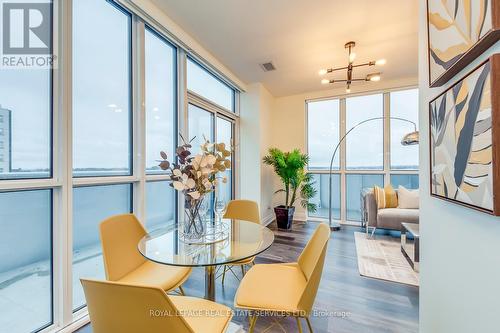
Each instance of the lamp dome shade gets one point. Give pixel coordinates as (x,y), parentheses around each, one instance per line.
(411,139)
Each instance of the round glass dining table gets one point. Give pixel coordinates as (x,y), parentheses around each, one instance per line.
(245,240)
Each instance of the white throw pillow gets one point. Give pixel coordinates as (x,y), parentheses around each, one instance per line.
(408,198)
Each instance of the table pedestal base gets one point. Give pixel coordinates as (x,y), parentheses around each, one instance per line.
(210,283)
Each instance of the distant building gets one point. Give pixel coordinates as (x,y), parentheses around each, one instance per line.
(5,140)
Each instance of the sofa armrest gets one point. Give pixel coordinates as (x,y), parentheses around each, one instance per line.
(369,208)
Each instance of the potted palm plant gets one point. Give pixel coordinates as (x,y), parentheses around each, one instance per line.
(297,183)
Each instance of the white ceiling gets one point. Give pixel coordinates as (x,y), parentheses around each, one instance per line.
(301,36)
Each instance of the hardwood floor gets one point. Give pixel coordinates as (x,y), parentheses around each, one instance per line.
(346,302)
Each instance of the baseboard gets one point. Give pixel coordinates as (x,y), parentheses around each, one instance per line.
(72,327)
(300,217)
(266,220)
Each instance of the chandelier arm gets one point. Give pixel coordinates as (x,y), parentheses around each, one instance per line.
(338,69)
(358,79)
(364,64)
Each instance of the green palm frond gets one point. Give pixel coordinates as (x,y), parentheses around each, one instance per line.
(290,167)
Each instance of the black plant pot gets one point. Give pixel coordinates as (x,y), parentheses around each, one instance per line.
(284,216)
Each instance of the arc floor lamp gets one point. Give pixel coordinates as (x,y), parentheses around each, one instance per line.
(409,139)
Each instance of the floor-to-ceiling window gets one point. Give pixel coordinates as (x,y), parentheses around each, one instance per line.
(102,128)
(371,153)
(403,159)
(324,121)
(161,126)
(81,143)
(26,211)
(212,115)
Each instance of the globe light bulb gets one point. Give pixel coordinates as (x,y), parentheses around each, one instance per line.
(375,78)
(380,62)
(352,56)
(348,90)
(325,81)
(322,71)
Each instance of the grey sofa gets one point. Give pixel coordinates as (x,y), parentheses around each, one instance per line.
(387,218)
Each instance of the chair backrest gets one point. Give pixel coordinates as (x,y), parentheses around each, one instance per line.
(120,235)
(246,210)
(117,307)
(311,262)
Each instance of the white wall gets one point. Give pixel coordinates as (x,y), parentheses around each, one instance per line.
(267,173)
(460,258)
(289,118)
(255,138)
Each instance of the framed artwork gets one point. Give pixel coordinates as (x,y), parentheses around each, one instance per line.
(459,31)
(465,140)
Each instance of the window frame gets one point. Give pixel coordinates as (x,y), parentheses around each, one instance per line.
(343,171)
(176,69)
(218,112)
(78,310)
(131,96)
(220,107)
(52,258)
(62,182)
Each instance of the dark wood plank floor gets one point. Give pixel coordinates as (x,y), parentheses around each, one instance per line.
(346,302)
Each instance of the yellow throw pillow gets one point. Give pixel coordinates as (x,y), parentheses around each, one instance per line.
(391,198)
(385,197)
(379,197)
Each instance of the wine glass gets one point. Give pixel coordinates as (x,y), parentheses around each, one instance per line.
(220,208)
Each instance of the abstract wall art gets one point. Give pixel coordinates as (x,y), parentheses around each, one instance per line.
(465,140)
(459,31)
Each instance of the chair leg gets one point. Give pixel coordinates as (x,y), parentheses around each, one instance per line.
(182,291)
(253,320)
(230,269)
(299,326)
(242,270)
(373,232)
(309,325)
(224,274)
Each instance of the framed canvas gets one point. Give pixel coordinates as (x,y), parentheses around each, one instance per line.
(465,140)
(459,31)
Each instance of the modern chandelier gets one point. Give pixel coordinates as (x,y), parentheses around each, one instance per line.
(370,77)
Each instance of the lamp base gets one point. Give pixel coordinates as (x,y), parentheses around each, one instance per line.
(335,226)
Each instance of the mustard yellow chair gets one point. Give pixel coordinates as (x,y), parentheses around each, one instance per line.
(246,210)
(125,308)
(289,288)
(123,262)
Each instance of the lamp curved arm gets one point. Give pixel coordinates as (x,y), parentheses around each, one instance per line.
(335,152)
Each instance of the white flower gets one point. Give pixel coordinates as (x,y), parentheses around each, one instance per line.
(211,159)
(195,195)
(179,186)
(177,173)
(207,184)
(185,183)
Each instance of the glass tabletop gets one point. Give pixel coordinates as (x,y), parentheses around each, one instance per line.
(245,240)
(413,228)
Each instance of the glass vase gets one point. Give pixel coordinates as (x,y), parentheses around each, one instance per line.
(194,218)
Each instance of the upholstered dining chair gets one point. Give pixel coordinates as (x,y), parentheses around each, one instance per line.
(289,288)
(127,308)
(120,236)
(246,210)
